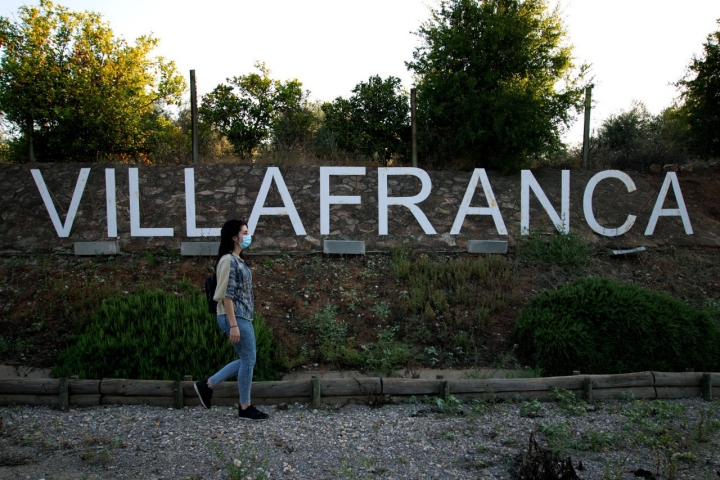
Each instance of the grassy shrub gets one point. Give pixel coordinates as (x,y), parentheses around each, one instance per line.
(449,305)
(568,249)
(601,326)
(270,363)
(157,335)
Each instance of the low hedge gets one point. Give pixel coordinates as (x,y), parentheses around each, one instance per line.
(601,326)
(155,335)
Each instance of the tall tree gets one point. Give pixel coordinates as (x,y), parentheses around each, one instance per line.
(701,94)
(374,121)
(495,82)
(244,109)
(75,91)
(636,139)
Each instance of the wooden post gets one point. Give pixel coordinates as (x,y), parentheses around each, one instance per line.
(444,387)
(588,389)
(316,401)
(179,399)
(194,119)
(413,126)
(445,394)
(64,402)
(29,138)
(586,131)
(707,386)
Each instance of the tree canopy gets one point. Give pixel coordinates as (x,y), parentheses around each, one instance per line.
(374,121)
(78,93)
(636,139)
(244,110)
(495,82)
(701,94)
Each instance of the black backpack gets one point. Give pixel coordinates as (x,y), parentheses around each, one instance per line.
(210,286)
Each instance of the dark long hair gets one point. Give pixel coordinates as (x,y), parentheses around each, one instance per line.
(229,230)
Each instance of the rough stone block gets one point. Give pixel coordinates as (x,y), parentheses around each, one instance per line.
(199,249)
(487,246)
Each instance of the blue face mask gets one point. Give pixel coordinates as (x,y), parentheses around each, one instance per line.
(246,241)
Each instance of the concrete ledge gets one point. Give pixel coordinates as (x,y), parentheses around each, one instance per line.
(97,248)
(620,253)
(487,246)
(344,247)
(199,249)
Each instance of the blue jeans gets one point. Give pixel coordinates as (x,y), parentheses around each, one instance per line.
(243,366)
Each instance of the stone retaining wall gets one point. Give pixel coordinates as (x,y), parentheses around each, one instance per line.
(230,191)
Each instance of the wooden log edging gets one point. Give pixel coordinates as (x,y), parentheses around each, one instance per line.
(70,392)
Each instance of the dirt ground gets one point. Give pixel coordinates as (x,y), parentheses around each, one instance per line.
(46,300)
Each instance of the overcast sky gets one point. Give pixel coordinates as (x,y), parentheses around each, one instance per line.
(637,48)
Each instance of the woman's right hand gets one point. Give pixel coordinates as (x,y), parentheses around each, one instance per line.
(234,334)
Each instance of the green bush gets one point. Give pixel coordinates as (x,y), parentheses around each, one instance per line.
(270,363)
(600,326)
(157,335)
(568,249)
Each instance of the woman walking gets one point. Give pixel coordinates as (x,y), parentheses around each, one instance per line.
(234,295)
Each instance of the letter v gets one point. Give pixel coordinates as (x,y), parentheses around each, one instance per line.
(63,231)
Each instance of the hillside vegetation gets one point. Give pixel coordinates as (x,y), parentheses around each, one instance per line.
(378,312)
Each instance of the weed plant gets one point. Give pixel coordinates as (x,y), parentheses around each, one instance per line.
(673,437)
(566,249)
(569,402)
(156,335)
(557,434)
(334,345)
(530,409)
(601,326)
(387,354)
(561,440)
(448,406)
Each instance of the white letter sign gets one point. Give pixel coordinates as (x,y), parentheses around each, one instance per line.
(658,211)
(528,181)
(190,215)
(466,209)
(326,199)
(410,202)
(135,229)
(588,207)
(111,202)
(63,231)
(288,208)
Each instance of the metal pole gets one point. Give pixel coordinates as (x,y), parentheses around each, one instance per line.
(413,126)
(194,115)
(586,132)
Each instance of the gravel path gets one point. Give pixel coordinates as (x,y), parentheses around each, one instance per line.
(415,441)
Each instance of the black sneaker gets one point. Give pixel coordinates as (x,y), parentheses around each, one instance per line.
(204,392)
(252,413)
